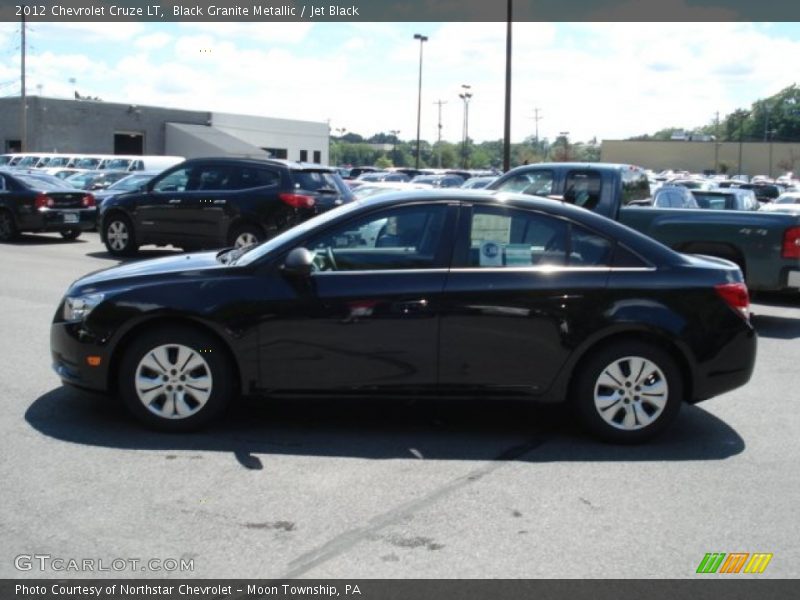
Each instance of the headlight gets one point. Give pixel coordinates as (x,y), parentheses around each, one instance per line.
(79,307)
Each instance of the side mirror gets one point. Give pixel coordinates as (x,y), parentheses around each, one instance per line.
(299,262)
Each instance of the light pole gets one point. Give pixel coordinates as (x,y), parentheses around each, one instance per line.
(465,97)
(422,39)
(394,133)
(341,131)
(439,136)
(742,117)
(507,117)
(771,135)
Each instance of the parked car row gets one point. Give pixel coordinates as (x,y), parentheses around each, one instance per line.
(116,162)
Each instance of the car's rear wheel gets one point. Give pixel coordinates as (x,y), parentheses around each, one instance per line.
(176,379)
(118,235)
(245,235)
(8,228)
(70,234)
(628,392)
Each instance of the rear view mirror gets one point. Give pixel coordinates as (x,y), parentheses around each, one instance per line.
(299,262)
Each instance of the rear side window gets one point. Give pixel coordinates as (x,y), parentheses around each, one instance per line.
(518,238)
(582,188)
(635,185)
(253,177)
(313,181)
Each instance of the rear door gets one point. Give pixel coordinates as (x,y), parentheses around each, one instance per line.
(518,294)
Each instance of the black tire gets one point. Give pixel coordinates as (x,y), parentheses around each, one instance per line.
(119,235)
(70,234)
(158,407)
(8,228)
(245,231)
(631,407)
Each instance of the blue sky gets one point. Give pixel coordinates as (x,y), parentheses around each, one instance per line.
(608,80)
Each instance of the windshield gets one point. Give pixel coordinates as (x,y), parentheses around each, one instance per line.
(28,161)
(118,163)
(298,231)
(40,184)
(58,161)
(81,180)
(87,163)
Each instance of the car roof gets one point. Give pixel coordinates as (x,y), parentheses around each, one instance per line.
(290,164)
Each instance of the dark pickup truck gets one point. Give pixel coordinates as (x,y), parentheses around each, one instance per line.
(765,245)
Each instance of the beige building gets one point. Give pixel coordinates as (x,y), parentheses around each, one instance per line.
(699,156)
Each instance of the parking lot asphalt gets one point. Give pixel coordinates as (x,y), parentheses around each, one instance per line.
(335,488)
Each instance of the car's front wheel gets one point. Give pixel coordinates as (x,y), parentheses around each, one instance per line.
(118,235)
(628,392)
(176,379)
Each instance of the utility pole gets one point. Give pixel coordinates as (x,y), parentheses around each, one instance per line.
(439,138)
(23,101)
(716,142)
(507,119)
(536,119)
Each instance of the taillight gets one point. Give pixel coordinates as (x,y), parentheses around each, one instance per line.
(87,201)
(791,243)
(43,201)
(297,200)
(735,295)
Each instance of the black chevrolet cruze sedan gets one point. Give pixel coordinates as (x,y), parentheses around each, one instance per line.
(445,292)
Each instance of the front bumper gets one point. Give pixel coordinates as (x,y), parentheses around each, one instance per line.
(70,347)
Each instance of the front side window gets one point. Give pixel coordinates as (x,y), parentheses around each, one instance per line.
(397,239)
(174,182)
(537,182)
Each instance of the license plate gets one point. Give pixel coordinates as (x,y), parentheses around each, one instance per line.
(794,279)
(71,217)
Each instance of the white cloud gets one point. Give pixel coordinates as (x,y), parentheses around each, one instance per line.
(606,79)
(153,41)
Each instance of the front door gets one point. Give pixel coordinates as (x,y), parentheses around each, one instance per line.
(368,317)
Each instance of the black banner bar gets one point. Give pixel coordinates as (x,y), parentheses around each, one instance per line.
(398,10)
(702,588)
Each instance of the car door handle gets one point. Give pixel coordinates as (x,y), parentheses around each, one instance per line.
(413,306)
(175,201)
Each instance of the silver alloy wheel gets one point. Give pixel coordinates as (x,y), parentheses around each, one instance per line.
(117,235)
(245,239)
(173,381)
(631,393)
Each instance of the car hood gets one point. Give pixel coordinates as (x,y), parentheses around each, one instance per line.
(179,265)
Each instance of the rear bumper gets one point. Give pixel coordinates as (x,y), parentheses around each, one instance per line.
(59,219)
(731,368)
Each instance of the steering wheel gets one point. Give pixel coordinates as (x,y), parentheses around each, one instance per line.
(331,260)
